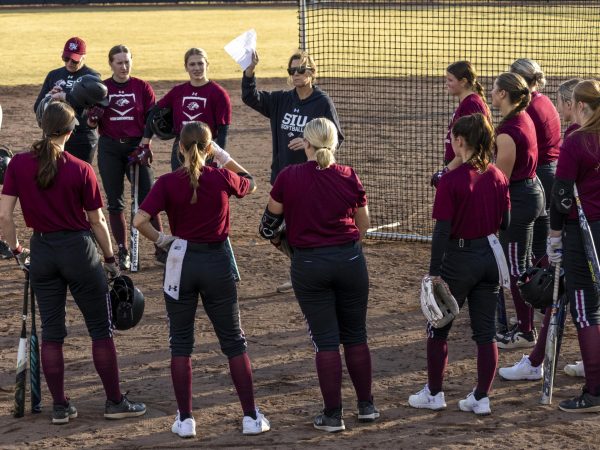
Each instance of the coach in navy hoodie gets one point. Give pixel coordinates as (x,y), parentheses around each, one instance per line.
(289,111)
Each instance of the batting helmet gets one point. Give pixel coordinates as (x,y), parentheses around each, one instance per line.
(162,124)
(88,91)
(537,286)
(39,112)
(127,303)
(5,156)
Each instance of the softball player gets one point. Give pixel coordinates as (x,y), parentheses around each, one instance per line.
(531,367)
(5,252)
(289,111)
(547,129)
(461,82)
(325,210)
(471,204)
(196,200)
(578,165)
(516,156)
(58,84)
(61,201)
(197,99)
(121,126)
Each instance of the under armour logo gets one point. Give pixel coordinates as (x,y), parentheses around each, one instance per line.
(296,110)
(172,288)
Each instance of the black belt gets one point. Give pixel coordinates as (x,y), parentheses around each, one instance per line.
(469,243)
(62,233)
(326,247)
(125,140)
(524,182)
(204,246)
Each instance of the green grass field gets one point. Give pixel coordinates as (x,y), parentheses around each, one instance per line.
(32,39)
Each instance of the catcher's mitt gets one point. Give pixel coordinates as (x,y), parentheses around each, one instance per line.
(437,302)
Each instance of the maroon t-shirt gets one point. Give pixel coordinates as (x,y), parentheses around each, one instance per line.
(571,128)
(62,206)
(522,131)
(205,221)
(472,201)
(129,103)
(209,104)
(471,104)
(579,160)
(319,204)
(547,127)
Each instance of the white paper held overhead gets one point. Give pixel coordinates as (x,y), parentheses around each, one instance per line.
(242,47)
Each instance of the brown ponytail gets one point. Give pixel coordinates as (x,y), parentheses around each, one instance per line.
(195,138)
(518,93)
(478,133)
(464,69)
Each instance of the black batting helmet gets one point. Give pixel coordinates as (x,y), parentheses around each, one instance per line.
(5,156)
(127,303)
(42,105)
(162,124)
(89,91)
(537,286)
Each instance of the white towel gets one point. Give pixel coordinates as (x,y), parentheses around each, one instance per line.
(173,269)
(500,261)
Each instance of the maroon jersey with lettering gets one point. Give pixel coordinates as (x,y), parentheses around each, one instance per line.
(571,128)
(579,161)
(547,127)
(129,103)
(205,221)
(522,131)
(62,206)
(471,104)
(209,104)
(472,201)
(319,204)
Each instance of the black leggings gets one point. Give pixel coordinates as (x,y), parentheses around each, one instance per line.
(69,259)
(332,288)
(82,145)
(206,272)
(112,163)
(542,224)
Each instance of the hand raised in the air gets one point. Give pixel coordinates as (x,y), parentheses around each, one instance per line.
(250,69)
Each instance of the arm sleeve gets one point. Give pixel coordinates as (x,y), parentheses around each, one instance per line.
(505,220)
(149,99)
(221,138)
(260,101)
(441,234)
(148,133)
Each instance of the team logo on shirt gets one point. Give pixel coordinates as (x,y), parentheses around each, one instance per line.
(293,122)
(120,104)
(191,105)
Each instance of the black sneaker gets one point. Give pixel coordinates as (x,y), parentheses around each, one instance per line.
(367,411)
(124,259)
(124,409)
(585,403)
(516,339)
(161,256)
(5,252)
(61,413)
(330,420)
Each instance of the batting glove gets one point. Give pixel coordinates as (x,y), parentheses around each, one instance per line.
(110,268)
(554,249)
(94,114)
(164,241)
(21,255)
(142,155)
(436,177)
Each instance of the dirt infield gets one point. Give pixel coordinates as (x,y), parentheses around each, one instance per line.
(282,357)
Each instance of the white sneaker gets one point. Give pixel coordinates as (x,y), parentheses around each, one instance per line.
(185,428)
(285,287)
(523,370)
(252,426)
(480,407)
(424,399)
(575,370)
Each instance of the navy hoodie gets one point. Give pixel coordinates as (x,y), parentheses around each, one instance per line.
(288,115)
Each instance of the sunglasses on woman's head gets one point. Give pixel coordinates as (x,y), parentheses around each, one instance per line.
(301,70)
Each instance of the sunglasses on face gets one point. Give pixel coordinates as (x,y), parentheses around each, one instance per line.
(301,70)
(66,60)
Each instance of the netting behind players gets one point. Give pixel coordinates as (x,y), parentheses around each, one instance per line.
(383,63)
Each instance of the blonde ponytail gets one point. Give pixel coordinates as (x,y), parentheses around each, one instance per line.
(195,138)
(322,134)
(325,157)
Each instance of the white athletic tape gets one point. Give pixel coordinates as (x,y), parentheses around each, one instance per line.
(173,268)
(500,261)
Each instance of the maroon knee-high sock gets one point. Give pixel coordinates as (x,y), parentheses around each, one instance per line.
(53,366)
(589,343)
(537,354)
(329,371)
(487,361)
(118,226)
(241,374)
(437,360)
(523,310)
(181,376)
(358,362)
(105,361)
